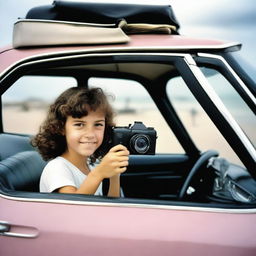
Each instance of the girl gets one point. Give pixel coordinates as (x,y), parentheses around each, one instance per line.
(74,135)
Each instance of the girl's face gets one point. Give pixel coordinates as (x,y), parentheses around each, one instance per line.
(84,135)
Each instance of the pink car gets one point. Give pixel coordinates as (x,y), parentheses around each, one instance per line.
(189,190)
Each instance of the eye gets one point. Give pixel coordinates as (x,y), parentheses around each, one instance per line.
(99,125)
(79,124)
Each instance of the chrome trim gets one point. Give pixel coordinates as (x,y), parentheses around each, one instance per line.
(239,80)
(123,49)
(221,107)
(133,205)
(19,235)
(189,60)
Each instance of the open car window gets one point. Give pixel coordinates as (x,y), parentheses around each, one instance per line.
(26,102)
(132,102)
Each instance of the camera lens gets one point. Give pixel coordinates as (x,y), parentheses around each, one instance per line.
(140,143)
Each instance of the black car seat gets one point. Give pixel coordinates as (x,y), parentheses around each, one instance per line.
(22,171)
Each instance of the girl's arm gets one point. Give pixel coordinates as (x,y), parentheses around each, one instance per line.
(88,187)
(112,165)
(114,186)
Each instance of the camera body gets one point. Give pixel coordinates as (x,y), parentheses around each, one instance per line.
(139,139)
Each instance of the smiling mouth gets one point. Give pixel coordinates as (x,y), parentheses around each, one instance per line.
(87,142)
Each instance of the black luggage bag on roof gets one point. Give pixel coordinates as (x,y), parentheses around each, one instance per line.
(105,13)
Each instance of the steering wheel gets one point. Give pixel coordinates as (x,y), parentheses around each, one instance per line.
(198,164)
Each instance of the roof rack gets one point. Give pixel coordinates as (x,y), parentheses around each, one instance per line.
(66,23)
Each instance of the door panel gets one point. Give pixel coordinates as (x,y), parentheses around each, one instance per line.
(155,176)
(116,229)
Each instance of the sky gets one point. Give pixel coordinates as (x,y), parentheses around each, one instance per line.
(216,19)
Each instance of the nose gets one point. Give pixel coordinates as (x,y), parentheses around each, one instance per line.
(89,133)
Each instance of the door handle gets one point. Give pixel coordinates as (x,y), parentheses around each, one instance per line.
(7,229)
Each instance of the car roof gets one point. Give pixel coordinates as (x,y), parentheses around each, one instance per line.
(140,42)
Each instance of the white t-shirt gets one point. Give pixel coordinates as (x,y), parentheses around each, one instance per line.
(59,172)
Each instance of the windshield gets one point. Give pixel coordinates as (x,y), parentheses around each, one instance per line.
(233,102)
(244,65)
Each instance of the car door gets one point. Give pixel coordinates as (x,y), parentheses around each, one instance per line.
(53,225)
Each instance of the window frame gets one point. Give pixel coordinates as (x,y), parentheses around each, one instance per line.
(192,76)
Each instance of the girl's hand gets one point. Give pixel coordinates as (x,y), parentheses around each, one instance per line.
(113,163)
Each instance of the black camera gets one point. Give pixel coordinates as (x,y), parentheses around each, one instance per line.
(138,138)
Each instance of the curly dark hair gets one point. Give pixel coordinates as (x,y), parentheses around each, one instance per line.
(75,102)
